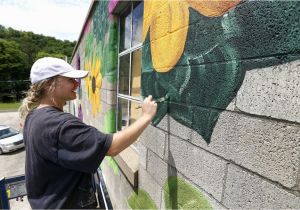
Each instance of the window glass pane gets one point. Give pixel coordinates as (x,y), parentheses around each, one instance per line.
(124,74)
(125,31)
(135,111)
(136,73)
(137,24)
(122,113)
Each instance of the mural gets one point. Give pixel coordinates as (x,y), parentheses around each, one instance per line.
(178,194)
(94,80)
(99,57)
(78,66)
(80,114)
(195,56)
(110,121)
(113,164)
(141,200)
(196,53)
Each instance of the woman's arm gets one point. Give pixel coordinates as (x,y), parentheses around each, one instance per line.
(126,137)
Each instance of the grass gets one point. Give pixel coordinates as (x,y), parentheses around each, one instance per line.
(9,106)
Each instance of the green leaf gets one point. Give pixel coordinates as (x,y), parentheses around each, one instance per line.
(141,200)
(178,194)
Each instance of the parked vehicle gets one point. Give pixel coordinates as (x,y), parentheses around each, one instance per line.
(10,139)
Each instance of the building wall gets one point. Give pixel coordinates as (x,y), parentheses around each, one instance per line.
(97,53)
(227,131)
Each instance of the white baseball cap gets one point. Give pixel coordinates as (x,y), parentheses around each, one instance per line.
(48,67)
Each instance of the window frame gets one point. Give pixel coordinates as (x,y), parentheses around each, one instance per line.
(128,159)
(129,51)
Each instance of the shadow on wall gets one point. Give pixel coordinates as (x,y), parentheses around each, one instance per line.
(211,51)
(177,193)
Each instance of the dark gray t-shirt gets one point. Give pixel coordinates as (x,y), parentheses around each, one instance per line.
(60,151)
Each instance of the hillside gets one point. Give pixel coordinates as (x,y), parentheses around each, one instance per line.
(19,50)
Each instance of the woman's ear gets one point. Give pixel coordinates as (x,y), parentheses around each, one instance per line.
(49,89)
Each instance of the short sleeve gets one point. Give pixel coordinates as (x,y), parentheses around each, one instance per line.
(81,147)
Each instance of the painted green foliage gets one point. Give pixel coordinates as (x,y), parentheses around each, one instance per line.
(114,166)
(141,200)
(218,51)
(104,36)
(106,33)
(101,58)
(178,194)
(110,121)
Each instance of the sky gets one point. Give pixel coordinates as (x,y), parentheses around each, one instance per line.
(62,19)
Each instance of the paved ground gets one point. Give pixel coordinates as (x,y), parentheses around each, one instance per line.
(10,118)
(12,164)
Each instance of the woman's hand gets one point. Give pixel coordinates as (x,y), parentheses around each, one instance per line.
(149,108)
(127,136)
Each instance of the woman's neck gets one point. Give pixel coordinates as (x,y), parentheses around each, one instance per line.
(48,102)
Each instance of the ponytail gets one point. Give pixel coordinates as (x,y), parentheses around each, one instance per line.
(34,95)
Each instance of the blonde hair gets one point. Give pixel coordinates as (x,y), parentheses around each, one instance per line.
(34,95)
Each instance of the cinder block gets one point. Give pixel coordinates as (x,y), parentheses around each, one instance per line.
(108,85)
(126,191)
(270,148)
(179,130)
(112,182)
(164,123)
(103,95)
(108,97)
(202,168)
(159,169)
(231,106)
(128,162)
(147,183)
(248,191)
(214,203)
(111,97)
(142,152)
(104,107)
(154,139)
(272,92)
(158,172)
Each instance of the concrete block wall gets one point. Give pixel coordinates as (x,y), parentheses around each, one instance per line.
(230,126)
(228,135)
(252,160)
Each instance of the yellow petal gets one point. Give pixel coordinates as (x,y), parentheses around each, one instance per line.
(213,8)
(90,91)
(168,33)
(150,7)
(99,81)
(147,17)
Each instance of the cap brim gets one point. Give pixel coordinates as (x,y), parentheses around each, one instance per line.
(76,74)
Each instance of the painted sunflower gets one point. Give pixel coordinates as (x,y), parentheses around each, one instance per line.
(94,83)
(168,21)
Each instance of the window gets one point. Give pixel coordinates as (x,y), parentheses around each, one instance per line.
(129,80)
(129,65)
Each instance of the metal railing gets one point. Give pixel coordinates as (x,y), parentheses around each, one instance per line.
(15,188)
(11,188)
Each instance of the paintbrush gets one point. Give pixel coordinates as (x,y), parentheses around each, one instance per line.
(159,100)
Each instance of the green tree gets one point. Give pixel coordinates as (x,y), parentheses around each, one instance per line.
(42,54)
(13,61)
(19,50)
